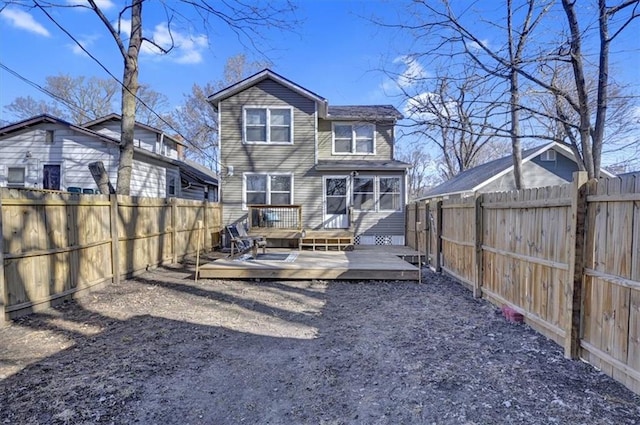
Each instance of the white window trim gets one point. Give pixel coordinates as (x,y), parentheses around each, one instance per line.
(268,200)
(268,126)
(400,194)
(376,193)
(24,176)
(353,138)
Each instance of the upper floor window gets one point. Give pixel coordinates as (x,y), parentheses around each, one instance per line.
(353,138)
(48,137)
(268,125)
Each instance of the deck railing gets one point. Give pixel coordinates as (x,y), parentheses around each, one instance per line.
(275,216)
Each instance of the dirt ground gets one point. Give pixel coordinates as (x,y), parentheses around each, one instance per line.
(161,349)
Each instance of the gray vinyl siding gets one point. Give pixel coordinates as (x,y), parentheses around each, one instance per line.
(537,173)
(382,223)
(71,150)
(143,138)
(74,151)
(383,149)
(297,158)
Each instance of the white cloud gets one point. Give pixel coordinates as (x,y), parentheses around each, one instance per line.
(86,42)
(186,49)
(427,106)
(102,4)
(410,76)
(413,73)
(475,46)
(23,20)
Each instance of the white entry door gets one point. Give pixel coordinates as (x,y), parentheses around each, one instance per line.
(336,203)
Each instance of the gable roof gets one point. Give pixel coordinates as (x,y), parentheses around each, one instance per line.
(50,119)
(475,178)
(117,117)
(254,79)
(364,112)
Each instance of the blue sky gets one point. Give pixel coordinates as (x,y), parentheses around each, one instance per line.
(336,52)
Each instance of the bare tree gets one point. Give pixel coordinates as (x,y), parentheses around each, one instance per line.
(456,115)
(25,107)
(244,18)
(522,51)
(422,174)
(197,121)
(80,99)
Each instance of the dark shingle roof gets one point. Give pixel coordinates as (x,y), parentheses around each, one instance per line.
(362,165)
(364,112)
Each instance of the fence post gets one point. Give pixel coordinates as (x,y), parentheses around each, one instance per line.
(174,230)
(115,240)
(207,236)
(439,236)
(4,296)
(573,285)
(477,286)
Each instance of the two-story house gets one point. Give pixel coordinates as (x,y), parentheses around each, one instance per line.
(282,144)
(46,152)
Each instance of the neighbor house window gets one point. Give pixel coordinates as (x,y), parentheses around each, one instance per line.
(390,194)
(172,186)
(353,138)
(363,193)
(268,125)
(15,176)
(48,137)
(267,189)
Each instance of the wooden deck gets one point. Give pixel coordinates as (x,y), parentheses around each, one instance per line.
(360,264)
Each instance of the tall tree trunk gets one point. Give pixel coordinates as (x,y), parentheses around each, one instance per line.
(603,79)
(129,91)
(516,150)
(514,99)
(584,130)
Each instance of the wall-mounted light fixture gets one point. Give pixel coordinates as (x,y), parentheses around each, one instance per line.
(229,170)
(28,155)
(354,174)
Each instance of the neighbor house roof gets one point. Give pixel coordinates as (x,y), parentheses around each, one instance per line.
(198,172)
(118,118)
(362,165)
(215,98)
(475,178)
(364,112)
(46,118)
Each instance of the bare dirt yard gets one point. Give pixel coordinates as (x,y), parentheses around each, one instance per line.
(161,349)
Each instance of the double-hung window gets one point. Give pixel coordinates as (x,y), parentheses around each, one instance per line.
(268,125)
(363,193)
(267,189)
(376,193)
(390,194)
(353,138)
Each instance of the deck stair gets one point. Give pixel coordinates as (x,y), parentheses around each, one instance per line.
(326,240)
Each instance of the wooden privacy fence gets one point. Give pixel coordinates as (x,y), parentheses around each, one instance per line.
(566,257)
(55,244)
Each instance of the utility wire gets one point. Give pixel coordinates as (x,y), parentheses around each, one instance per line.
(101,65)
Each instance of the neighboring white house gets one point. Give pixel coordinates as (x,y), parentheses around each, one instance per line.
(46,152)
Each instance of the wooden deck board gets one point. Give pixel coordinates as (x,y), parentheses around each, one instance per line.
(333,265)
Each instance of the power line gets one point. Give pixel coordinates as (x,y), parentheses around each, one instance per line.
(101,65)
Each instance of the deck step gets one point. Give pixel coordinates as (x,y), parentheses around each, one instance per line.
(327,243)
